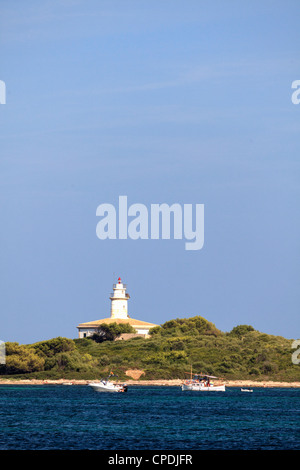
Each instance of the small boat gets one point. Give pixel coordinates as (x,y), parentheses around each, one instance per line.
(202,383)
(246,390)
(106,385)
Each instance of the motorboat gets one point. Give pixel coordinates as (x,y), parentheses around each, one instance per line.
(106,385)
(202,383)
(246,390)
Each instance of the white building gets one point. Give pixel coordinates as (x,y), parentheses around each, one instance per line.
(118,314)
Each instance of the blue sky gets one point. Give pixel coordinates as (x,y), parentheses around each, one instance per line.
(165,102)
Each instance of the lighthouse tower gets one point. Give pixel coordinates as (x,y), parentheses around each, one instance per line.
(119,299)
(118,314)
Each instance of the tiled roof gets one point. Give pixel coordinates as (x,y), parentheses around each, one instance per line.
(131,321)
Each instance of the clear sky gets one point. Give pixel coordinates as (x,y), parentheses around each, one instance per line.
(165,102)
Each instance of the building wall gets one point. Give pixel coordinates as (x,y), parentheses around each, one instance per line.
(126,336)
(142,331)
(85,332)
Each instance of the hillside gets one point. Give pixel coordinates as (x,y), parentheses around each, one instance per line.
(243,353)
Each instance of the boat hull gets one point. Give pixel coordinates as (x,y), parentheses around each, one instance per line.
(202,388)
(112,388)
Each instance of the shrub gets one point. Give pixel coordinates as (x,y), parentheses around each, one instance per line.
(156,330)
(189,326)
(241,330)
(254,371)
(104,360)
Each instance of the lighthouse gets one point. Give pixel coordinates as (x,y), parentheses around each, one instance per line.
(118,314)
(119,300)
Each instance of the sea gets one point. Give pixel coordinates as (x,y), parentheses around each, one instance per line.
(76,417)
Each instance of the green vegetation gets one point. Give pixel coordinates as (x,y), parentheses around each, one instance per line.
(243,353)
(111,332)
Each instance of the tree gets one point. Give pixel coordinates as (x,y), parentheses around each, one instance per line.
(21,359)
(112,331)
(51,347)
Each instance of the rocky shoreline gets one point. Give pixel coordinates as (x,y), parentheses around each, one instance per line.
(160,383)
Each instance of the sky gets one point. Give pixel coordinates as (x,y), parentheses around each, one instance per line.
(162,102)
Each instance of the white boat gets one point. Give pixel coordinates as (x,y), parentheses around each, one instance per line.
(202,383)
(105,385)
(246,390)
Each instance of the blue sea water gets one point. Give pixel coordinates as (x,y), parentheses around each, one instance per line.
(154,418)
